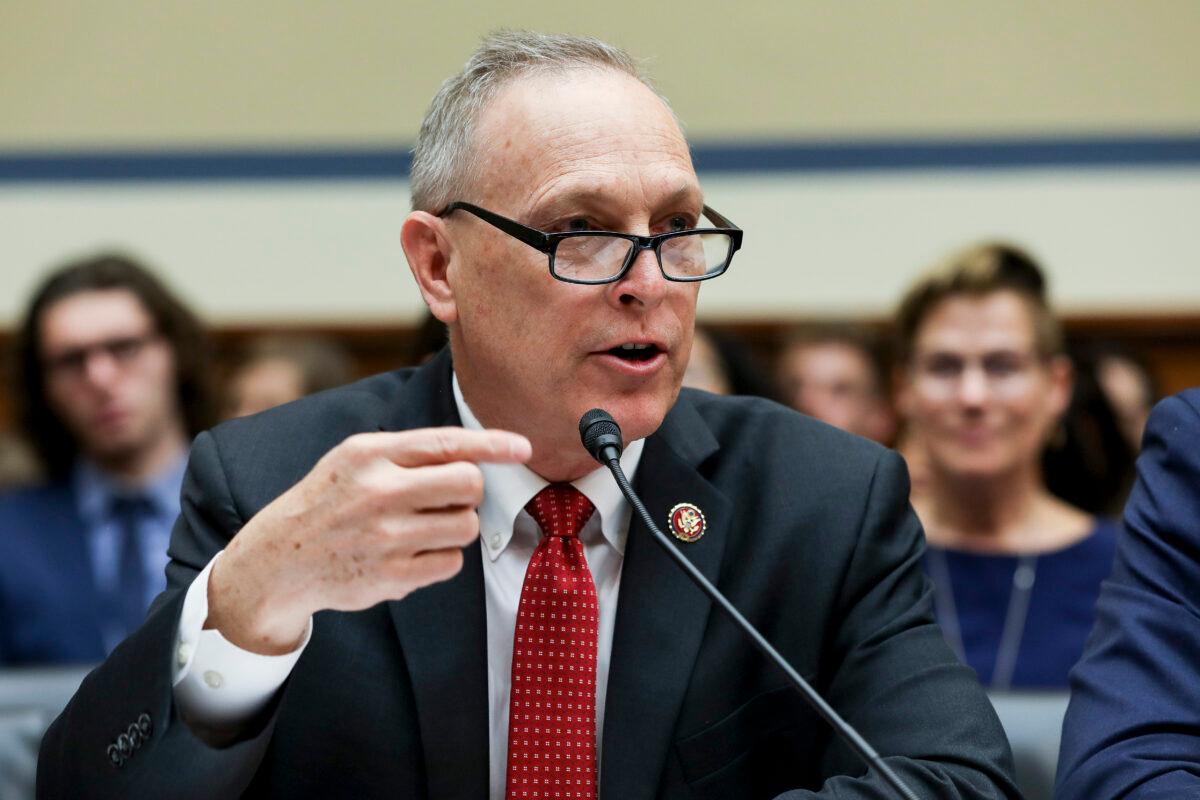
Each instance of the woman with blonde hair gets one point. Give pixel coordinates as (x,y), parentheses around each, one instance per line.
(983,383)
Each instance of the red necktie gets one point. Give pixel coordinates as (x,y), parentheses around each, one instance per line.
(552,710)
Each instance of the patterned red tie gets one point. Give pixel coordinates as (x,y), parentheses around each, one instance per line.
(552,710)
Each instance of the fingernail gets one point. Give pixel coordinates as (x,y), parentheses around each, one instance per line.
(521,448)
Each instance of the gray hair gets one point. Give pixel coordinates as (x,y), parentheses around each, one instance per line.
(444,159)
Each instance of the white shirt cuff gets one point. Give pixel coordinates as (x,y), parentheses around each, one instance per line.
(218,684)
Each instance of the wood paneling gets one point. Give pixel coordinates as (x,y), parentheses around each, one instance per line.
(1170,344)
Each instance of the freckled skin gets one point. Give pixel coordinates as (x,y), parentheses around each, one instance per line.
(524,344)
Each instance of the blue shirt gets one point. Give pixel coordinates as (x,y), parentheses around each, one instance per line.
(1060,611)
(94,492)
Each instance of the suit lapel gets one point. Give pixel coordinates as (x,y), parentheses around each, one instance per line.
(443,629)
(661,615)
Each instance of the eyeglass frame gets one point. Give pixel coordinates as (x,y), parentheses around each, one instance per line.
(548,242)
(123,350)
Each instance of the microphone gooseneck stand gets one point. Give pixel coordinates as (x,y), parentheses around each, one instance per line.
(602,438)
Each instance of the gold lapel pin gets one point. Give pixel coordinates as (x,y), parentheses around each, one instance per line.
(687,522)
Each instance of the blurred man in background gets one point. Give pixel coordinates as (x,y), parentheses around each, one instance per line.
(280,369)
(722,364)
(834,374)
(111,389)
(1130,387)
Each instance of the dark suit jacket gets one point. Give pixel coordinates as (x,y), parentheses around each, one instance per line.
(50,611)
(809,534)
(1133,725)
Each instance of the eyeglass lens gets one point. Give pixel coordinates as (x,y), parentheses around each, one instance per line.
(598,257)
(123,350)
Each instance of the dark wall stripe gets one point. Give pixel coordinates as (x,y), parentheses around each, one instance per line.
(48,166)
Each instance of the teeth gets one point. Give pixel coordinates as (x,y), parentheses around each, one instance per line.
(635,347)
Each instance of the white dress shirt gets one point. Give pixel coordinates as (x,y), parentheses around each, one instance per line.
(218,685)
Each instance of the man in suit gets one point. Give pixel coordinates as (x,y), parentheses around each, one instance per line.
(112,388)
(303,658)
(1132,725)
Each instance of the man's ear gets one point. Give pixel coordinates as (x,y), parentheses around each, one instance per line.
(428,250)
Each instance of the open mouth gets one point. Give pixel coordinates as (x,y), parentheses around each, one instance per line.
(634,352)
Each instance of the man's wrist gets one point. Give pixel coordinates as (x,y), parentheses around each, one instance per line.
(247,616)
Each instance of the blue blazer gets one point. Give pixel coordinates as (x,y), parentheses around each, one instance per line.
(50,610)
(1133,725)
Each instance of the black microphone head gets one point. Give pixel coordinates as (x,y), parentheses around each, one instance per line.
(599,432)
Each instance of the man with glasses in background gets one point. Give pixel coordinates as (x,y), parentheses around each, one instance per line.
(421,598)
(112,387)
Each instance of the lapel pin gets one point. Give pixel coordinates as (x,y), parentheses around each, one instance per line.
(687,522)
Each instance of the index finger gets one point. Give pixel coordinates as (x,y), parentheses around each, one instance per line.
(425,446)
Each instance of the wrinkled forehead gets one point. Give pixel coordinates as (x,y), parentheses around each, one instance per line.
(591,130)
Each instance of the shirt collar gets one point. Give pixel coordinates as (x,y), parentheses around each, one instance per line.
(507,488)
(94,490)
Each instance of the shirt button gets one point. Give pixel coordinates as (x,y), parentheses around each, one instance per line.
(213,679)
(495,542)
(183,654)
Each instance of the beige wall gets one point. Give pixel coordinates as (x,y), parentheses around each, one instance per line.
(174,73)
(158,72)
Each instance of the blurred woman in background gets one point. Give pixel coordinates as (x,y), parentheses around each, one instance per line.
(983,383)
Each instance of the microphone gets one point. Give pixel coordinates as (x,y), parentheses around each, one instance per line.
(601,437)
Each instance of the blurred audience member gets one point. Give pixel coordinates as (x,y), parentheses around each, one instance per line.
(915,458)
(984,383)
(835,374)
(18,465)
(704,369)
(1089,462)
(111,388)
(1130,387)
(722,364)
(280,369)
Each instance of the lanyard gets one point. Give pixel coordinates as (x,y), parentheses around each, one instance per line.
(1015,615)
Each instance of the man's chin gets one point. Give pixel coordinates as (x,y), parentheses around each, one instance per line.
(639,417)
(113,449)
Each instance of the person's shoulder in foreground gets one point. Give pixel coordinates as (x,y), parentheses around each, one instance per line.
(1133,725)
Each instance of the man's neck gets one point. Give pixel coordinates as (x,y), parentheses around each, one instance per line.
(558,455)
(141,466)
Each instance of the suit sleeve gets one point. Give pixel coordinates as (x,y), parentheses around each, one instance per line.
(1133,724)
(121,736)
(894,679)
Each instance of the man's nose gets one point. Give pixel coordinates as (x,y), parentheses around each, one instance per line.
(643,284)
(100,369)
(972,386)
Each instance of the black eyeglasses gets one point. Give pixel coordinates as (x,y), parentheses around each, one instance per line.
(123,350)
(592,257)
